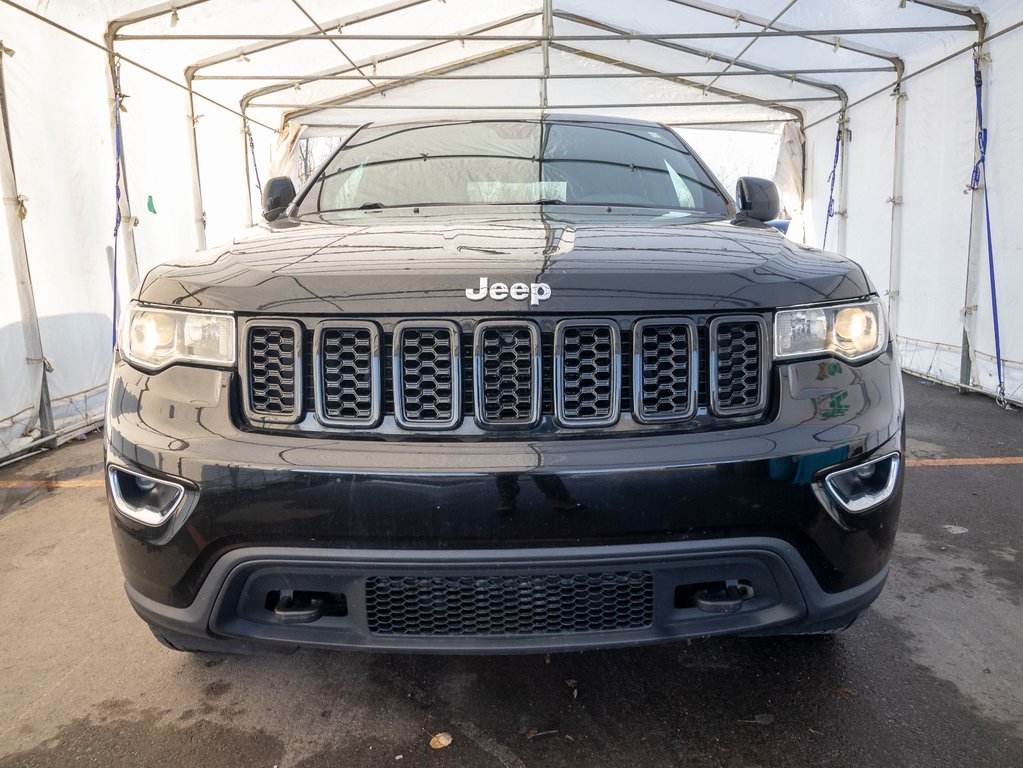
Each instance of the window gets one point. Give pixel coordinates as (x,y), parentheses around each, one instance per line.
(515,161)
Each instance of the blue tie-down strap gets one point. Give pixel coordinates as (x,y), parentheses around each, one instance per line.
(117,189)
(978,180)
(831,179)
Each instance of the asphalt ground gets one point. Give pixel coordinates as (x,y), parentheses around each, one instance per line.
(932,676)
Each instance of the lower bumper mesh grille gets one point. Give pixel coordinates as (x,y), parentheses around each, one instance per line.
(510,605)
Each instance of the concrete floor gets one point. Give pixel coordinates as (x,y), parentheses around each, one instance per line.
(933,676)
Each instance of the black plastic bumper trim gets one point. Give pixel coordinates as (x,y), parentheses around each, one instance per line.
(794,603)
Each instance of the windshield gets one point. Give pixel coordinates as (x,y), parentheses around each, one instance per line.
(506,162)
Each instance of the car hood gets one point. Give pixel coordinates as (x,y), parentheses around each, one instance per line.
(594,260)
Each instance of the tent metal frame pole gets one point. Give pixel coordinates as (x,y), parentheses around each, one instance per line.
(629,36)
(727,13)
(107,47)
(896,200)
(127,217)
(843,188)
(249,218)
(975,16)
(41,411)
(739,98)
(468,34)
(709,55)
(927,68)
(246,51)
(548,33)
(344,102)
(193,134)
(191,74)
(152,12)
(977,229)
(758,36)
(978,237)
(528,76)
(726,124)
(326,36)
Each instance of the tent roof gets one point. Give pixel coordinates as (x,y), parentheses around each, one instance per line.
(679,61)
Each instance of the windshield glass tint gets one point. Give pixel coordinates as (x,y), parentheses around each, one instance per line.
(504,162)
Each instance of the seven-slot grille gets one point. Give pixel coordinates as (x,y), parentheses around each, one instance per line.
(527,604)
(507,373)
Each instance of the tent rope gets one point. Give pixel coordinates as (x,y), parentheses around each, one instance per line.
(831,179)
(978,180)
(118,157)
(252,151)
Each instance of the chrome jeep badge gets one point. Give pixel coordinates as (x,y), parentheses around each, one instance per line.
(535,292)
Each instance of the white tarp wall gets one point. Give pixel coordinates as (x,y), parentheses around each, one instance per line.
(940,242)
(60,142)
(733,95)
(59,107)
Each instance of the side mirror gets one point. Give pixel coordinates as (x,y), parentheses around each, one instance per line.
(757,198)
(278,194)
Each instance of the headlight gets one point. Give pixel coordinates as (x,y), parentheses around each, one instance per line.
(155,338)
(849,331)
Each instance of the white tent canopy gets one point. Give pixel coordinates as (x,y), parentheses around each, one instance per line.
(866,110)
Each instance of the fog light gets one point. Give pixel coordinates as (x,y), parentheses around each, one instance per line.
(865,471)
(144,499)
(144,484)
(866,485)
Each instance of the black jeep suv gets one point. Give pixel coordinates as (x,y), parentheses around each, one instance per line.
(505,385)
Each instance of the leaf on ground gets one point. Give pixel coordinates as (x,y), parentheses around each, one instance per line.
(845,694)
(573,686)
(955,530)
(440,741)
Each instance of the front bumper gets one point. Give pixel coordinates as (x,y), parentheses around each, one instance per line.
(687,507)
(784,597)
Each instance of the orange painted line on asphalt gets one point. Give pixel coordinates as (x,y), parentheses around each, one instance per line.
(993,460)
(85,482)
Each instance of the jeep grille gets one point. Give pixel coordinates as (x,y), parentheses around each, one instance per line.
(496,374)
